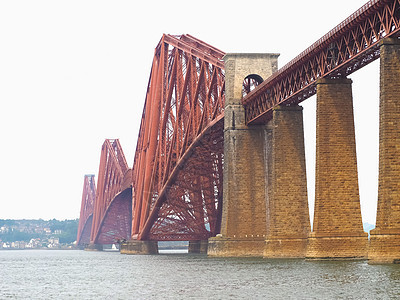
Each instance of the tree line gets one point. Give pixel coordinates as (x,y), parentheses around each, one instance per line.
(25,230)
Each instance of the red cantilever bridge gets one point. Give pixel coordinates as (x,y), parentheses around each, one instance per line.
(174,190)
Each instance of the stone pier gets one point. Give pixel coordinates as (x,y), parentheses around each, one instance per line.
(198,246)
(139,247)
(384,244)
(243,227)
(337,229)
(288,218)
(93,247)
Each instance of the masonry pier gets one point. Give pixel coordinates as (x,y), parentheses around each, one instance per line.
(288,224)
(139,247)
(384,244)
(337,229)
(243,226)
(93,247)
(198,246)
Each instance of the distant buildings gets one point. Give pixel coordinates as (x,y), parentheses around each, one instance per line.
(37,234)
(50,243)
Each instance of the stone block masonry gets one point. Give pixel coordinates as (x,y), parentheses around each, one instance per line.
(94,247)
(198,246)
(243,226)
(139,247)
(337,228)
(287,206)
(384,244)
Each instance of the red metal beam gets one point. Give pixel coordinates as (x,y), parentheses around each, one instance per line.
(184,103)
(348,47)
(87,204)
(117,220)
(199,163)
(114,177)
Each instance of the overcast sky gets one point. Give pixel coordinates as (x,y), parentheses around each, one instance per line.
(73,73)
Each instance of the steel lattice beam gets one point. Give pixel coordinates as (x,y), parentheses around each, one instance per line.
(180,137)
(348,47)
(117,221)
(86,215)
(113,180)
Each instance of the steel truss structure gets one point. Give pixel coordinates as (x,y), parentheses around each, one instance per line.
(177,171)
(348,47)
(87,205)
(174,191)
(112,212)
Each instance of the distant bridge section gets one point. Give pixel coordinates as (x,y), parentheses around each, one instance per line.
(112,212)
(87,205)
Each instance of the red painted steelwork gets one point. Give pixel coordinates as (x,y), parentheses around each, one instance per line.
(348,47)
(86,216)
(113,201)
(177,171)
(117,221)
(177,174)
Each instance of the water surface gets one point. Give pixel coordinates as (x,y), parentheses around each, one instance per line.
(55,274)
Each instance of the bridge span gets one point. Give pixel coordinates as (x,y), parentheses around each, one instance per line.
(220,157)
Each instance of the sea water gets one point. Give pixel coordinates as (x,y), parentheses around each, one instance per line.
(75,274)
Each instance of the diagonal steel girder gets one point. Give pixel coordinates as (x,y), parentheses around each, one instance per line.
(87,205)
(183,108)
(113,180)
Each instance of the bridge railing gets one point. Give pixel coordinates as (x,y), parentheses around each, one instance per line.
(351,45)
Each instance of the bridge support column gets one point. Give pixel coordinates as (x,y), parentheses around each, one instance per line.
(287,206)
(384,244)
(198,246)
(337,229)
(139,247)
(243,226)
(93,247)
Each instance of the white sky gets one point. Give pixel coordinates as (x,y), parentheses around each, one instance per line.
(73,73)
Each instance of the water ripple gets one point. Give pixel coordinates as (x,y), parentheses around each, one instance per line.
(51,274)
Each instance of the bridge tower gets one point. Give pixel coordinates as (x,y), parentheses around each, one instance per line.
(385,238)
(86,215)
(243,226)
